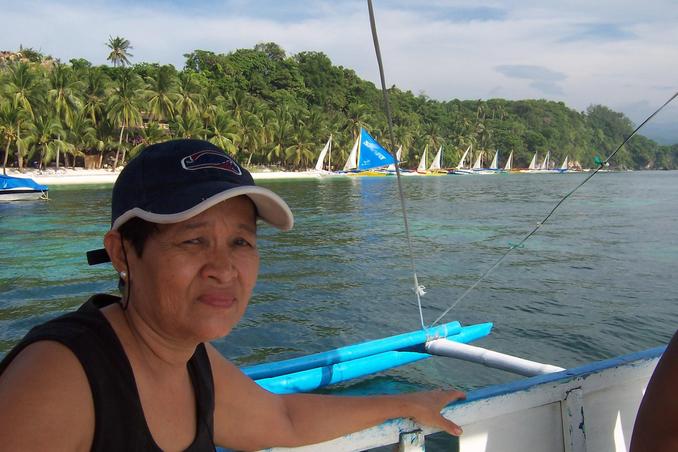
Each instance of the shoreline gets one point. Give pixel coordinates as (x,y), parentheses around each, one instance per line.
(81,176)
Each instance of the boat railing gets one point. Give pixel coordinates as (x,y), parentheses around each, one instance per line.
(591,407)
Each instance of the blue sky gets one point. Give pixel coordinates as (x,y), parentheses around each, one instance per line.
(623,54)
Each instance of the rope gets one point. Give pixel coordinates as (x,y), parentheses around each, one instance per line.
(418,289)
(541,223)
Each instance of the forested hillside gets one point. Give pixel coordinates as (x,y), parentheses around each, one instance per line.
(271,108)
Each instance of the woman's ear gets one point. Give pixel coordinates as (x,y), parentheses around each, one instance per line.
(113,245)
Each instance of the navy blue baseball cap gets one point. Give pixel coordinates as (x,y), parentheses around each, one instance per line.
(176,180)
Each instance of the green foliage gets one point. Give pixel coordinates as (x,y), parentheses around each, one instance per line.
(119,55)
(268,107)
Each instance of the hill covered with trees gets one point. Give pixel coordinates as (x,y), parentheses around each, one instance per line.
(269,108)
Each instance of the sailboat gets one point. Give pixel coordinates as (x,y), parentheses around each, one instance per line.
(321,158)
(545,165)
(421,169)
(367,155)
(532,166)
(564,167)
(495,162)
(547,161)
(461,168)
(436,166)
(509,163)
(478,165)
(399,155)
(435,169)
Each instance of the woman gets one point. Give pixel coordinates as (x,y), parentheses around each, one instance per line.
(137,372)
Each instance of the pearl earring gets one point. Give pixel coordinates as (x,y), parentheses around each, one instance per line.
(123,274)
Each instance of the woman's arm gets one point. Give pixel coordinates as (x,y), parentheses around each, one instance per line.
(45,401)
(249,417)
(656,427)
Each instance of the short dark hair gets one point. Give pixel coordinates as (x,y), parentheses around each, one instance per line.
(137,231)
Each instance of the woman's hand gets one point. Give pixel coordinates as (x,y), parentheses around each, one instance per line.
(426,407)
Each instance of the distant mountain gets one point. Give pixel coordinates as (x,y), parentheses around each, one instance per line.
(665,133)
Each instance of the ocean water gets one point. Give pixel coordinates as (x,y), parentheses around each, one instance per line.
(596,281)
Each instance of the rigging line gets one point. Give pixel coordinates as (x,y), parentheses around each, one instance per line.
(539,225)
(418,290)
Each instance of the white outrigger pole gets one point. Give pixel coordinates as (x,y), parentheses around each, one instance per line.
(489,358)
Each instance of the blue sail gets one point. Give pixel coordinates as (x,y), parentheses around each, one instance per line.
(372,154)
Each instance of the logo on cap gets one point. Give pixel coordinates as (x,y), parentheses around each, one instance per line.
(210,159)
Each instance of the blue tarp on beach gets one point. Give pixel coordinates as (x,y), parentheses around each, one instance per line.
(9,182)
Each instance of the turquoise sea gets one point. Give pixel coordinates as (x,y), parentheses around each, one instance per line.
(596,281)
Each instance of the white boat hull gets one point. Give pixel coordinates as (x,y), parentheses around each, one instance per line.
(589,408)
(21,195)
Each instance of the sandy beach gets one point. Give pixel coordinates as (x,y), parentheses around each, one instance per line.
(80,176)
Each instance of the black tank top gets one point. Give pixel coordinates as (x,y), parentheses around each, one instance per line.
(120,424)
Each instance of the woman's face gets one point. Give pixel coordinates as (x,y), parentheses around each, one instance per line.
(195,278)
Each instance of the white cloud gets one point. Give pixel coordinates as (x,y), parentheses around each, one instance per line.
(621,54)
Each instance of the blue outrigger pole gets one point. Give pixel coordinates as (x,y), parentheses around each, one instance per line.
(310,372)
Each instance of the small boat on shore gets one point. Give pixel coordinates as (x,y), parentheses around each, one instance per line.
(21,189)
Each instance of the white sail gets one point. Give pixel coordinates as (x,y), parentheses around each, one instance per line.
(436,165)
(399,154)
(352,161)
(495,163)
(323,154)
(533,163)
(564,165)
(509,162)
(479,161)
(463,157)
(545,164)
(422,163)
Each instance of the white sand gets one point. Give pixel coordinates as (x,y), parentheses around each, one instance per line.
(69,176)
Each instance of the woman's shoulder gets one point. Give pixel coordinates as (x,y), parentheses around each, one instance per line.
(45,391)
(46,400)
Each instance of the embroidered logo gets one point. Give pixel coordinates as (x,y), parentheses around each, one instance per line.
(210,159)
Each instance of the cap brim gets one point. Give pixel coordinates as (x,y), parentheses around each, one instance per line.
(270,207)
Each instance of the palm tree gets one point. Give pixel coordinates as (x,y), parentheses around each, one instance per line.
(162,91)
(150,134)
(24,89)
(189,93)
(81,135)
(250,134)
(301,152)
(187,126)
(119,55)
(281,133)
(223,132)
(213,108)
(240,102)
(123,106)
(404,138)
(97,85)
(357,117)
(9,120)
(63,95)
(267,118)
(42,133)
